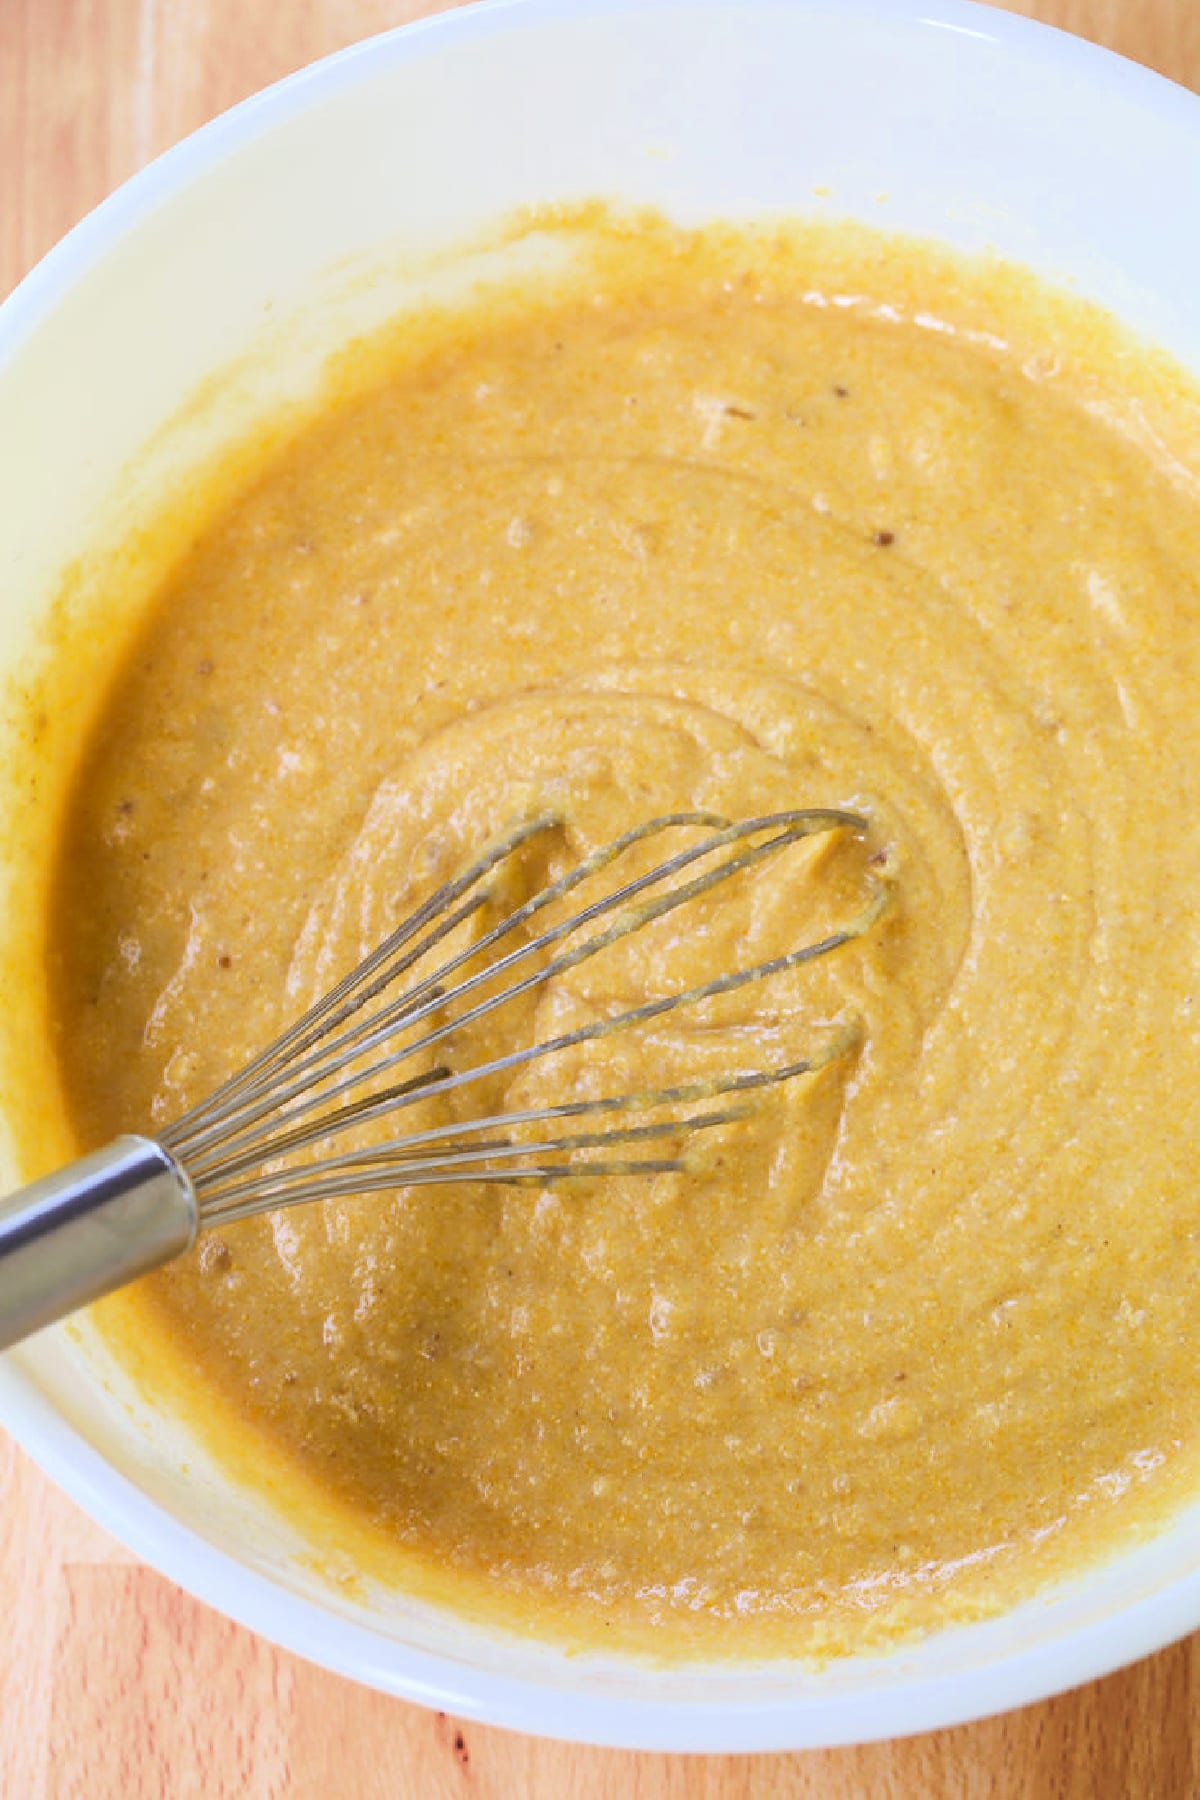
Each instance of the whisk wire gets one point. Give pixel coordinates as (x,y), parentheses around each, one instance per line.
(320,1079)
(395,1150)
(239,1093)
(277,1190)
(363,982)
(238,1153)
(237,1121)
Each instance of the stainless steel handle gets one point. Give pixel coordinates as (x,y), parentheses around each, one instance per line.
(90,1228)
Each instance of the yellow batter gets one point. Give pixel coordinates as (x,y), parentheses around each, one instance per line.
(735,522)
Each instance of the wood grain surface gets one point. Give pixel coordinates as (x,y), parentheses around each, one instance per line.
(113,1684)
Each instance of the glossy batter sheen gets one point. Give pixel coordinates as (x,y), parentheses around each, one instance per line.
(734,523)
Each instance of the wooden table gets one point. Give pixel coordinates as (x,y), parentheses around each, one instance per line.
(113,1684)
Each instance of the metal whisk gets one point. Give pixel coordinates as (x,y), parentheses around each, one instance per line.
(289,1128)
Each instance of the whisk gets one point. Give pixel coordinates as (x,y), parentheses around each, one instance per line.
(282,1131)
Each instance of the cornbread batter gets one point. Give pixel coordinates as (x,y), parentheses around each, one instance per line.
(737,522)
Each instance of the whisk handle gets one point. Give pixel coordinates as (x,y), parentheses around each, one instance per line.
(89,1228)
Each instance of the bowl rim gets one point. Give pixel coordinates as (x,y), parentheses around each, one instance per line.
(159,179)
(442,1680)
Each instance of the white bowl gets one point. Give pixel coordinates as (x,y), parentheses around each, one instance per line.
(982,130)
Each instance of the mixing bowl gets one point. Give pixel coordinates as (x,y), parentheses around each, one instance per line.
(221,277)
